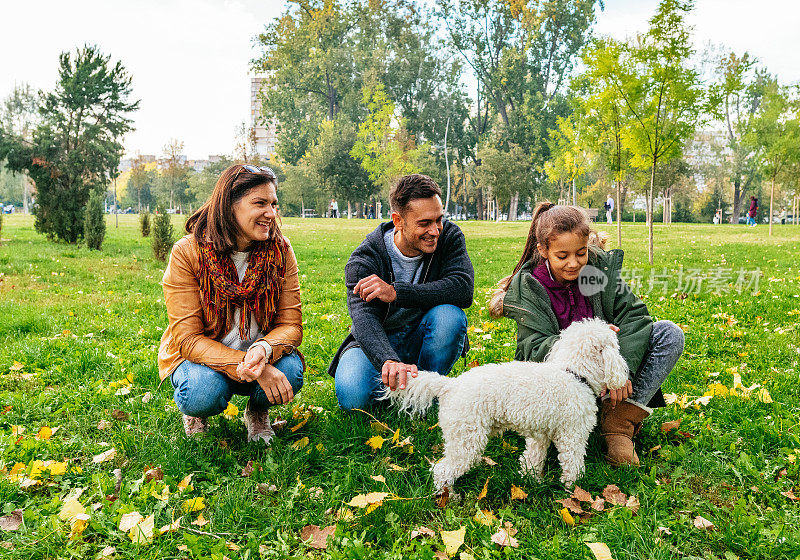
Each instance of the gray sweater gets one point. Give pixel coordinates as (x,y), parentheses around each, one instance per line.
(447,278)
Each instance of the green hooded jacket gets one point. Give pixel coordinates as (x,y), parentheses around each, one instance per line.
(527,302)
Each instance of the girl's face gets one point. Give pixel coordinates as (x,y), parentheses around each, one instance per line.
(255,214)
(568,254)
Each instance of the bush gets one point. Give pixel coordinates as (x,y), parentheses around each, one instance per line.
(94,222)
(144,224)
(162,235)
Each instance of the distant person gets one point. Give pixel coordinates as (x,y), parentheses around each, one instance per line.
(334,208)
(609,206)
(407,286)
(751,213)
(783,216)
(717,216)
(233,301)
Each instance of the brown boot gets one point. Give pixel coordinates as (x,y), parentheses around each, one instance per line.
(618,426)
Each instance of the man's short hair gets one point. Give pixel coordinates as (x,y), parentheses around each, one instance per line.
(412,187)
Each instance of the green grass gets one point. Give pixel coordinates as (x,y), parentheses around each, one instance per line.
(78,321)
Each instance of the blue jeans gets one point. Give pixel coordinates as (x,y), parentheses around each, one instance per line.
(201,391)
(433,344)
(666,347)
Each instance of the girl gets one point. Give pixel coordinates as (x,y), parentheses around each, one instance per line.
(564,275)
(233,300)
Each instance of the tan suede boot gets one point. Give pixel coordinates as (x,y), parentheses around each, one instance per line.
(618,425)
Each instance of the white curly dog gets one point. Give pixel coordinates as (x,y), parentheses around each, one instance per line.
(555,400)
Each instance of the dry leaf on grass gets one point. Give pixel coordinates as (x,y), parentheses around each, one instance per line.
(486,517)
(193,504)
(201,521)
(174,526)
(103,425)
(365,500)
(12,521)
(632,504)
(300,443)
(489,461)
(154,474)
(105,456)
(703,523)
(599,504)
(107,553)
(502,538)
(518,493)
(600,550)
(186,483)
(422,531)
(581,495)
(614,495)
(117,414)
(443,498)
(790,495)
(672,425)
(378,478)
(453,540)
(483,492)
(129,521)
(664,530)
(16,366)
(142,533)
(318,537)
(572,505)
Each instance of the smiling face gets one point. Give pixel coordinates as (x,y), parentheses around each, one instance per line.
(418,229)
(567,254)
(255,214)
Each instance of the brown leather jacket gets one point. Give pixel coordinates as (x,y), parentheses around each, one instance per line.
(192,335)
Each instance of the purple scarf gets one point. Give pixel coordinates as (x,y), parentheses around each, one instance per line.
(569,304)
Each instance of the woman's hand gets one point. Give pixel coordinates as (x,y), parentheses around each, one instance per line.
(252,367)
(275,385)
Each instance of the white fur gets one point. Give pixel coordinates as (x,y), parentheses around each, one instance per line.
(543,402)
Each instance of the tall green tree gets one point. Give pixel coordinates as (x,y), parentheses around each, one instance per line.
(737,89)
(77,144)
(505,171)
(776,137)
(662,93)
(19,116)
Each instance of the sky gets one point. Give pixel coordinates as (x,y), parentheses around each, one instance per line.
(190,58)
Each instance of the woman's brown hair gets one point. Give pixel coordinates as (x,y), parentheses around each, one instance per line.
(214,220)
(548,220)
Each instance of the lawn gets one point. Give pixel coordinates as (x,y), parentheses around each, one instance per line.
(80,330)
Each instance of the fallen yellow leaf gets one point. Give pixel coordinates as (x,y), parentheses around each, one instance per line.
(483,492)
(300,443)
(185,484)
(129,521)
(231,411)
(143,532)
(375,442)
(16,366)
(201,521)
(45,433)
(518,493)
(453,540)
(174,526)
(378,478)
(764,396)
(567,517)
(194,504)
(105,456)
(600,550)
(79,523)
(70,509)
(486,517)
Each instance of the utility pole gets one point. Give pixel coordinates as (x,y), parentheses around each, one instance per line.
(447,165)
(116,213)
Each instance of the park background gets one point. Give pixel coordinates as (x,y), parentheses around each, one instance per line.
(535,103)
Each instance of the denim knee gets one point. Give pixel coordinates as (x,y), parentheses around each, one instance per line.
(292,367)
(356,380)
(669,335)
(199,390)
(446,324)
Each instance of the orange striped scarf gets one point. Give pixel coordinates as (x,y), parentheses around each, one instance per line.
(258,292)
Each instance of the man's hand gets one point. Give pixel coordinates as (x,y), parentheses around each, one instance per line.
(373,287)
(252,367)
(618,395)
(394,374)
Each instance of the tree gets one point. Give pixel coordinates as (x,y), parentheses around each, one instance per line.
(737,90)
(19,117)
(162,235)
(175,172)
(202,184)
(662,94)
(383,146)
(144,223)
(77,144)
(94,225)
(776,136)
(505,172)
(138,180)
(570,156)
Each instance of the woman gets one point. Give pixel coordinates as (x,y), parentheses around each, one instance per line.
(233,299)
(565,275)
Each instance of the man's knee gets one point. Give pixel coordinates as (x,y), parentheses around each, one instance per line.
(354,381)
(447,323)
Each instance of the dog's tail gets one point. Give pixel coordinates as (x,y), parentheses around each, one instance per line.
(419,393)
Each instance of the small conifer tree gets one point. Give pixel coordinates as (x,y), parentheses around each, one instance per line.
(144,223)
(94,221)
(162,235)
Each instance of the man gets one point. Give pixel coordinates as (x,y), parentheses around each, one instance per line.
(407,285)
(609,209)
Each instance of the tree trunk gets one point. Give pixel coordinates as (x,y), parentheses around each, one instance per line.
(650,213)
(513,208)
(349,209)
(574,193)
(771,202)
(479,204)
(26,193)
(619,214)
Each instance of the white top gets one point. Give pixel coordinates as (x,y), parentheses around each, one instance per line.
(610,203)
(232,339)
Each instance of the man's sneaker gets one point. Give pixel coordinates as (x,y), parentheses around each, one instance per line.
(258,426)
(193,425)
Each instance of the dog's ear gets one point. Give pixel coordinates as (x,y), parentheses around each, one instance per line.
(615,369)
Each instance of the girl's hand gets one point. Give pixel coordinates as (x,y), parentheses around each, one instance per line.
(275,385)
(618,395)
